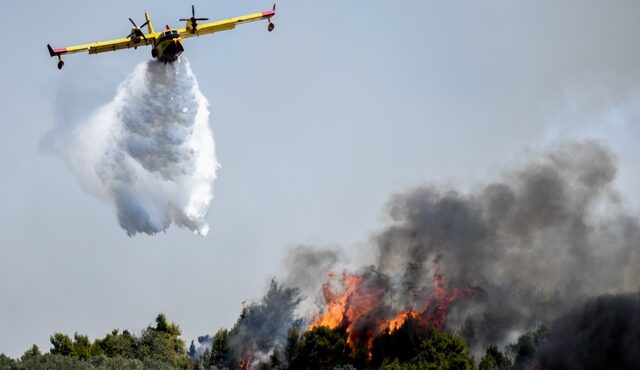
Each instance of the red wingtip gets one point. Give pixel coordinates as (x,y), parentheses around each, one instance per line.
(53,52)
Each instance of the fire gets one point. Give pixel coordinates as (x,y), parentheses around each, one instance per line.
(435,312)
(358,304)
(396,322)
(246,363)
(337,304)
(354,302)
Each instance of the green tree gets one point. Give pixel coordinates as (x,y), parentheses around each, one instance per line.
(397,365)
(31,353)
(163,344)
(321,348)
(204,360)
(6,362)
(115,344)
(50,361)
(61,344)
(293,338)
(402,344)
(192,350)
(164,326)
(494,359)
(414,346)
(525,348)
(443,351)
(360,355)
(275,360)
(220,356)
(81,347)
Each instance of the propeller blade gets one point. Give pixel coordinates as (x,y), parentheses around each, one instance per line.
(144,24)
(145,38)
(183,20)
(193,10)
(134,23)
(202,19)
(274,7)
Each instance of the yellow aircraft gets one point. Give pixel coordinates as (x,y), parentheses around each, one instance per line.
(167,45)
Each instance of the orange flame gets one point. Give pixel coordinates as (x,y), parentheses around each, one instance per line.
(245,364)
(355,301)
(396,322)
(435,312)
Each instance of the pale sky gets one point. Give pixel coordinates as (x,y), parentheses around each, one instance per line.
(316,124)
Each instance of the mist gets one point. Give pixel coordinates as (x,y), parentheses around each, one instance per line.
(150,151)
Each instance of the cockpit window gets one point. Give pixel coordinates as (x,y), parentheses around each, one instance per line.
(168,35)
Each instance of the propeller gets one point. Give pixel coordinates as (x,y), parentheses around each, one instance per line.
(136,31)
(193,19)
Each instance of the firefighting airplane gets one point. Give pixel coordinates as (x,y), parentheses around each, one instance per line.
(167,45)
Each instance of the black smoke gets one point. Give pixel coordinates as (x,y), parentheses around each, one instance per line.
(602,334)
(546,236)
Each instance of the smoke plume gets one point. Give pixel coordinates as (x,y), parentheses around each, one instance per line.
(497,261)
(262,326)
(150,150)
(602,334)
(547,236)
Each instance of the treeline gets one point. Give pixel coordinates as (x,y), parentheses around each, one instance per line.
(160,347)
(157,347)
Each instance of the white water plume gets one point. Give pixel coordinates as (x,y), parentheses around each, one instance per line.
(150,150)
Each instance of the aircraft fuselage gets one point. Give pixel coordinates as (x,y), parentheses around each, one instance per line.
(168,46)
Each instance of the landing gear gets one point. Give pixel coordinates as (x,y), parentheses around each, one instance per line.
(271,25)
(57,53)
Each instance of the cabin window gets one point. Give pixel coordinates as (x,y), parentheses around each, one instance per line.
(169,35)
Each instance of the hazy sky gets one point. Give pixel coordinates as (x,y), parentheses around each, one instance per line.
(316,124)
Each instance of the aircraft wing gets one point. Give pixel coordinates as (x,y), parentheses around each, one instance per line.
(104,46)
(225,25)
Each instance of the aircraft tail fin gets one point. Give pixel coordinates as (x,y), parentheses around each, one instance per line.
(149,24)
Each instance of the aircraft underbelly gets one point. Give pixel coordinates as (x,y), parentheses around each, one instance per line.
(170,50)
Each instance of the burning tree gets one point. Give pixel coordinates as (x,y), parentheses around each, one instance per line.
(363,307)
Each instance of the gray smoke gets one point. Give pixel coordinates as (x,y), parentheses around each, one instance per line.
(263,326)
(602,334)
(545,237)
(307,269)
(508,256)
(150,150)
